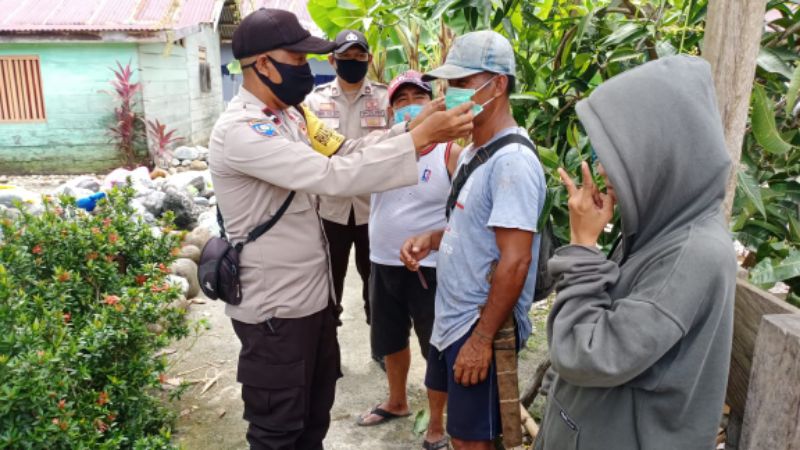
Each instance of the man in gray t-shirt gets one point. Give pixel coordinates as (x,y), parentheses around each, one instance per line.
(488,251)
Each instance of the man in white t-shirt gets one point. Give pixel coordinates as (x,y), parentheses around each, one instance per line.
(398,297)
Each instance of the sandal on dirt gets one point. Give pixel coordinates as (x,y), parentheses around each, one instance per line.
(384,415)
(441,444)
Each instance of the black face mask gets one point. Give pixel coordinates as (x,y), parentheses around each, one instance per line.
(351,70)
(298,82)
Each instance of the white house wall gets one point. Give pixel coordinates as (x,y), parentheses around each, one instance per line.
(165,86)
(204,107)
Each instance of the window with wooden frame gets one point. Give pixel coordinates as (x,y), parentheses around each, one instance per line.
(21,98)
(205,70)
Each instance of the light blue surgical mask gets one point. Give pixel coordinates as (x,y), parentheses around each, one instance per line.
(411,110)
(458,96)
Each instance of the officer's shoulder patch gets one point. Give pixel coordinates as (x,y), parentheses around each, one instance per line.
(263,127)
(322,87)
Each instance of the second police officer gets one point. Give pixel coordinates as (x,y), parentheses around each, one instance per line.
(355,106)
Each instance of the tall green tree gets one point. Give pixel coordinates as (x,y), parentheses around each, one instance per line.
(565,49)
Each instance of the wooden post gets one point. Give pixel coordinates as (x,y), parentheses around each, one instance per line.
(750,306)
(772,417)
(732,38)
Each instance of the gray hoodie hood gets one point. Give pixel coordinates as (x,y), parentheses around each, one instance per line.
(666,172)
(642,348)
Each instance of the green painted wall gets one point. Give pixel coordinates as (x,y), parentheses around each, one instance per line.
(74,138)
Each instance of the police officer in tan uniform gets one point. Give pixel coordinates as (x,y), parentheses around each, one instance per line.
(355,106)
(263,147)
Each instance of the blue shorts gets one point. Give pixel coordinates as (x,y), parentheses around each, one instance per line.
(473,413)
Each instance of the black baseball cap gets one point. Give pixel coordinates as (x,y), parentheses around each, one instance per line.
(348,38)
(267,29)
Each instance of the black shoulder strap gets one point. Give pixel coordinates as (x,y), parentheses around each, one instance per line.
(481,156)
(261,229)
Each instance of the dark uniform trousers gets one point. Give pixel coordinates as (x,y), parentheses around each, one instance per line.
(340,239)
(288,369)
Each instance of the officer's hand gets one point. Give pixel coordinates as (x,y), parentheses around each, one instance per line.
(427,110)
(324,139)
(415,249)
(444,126)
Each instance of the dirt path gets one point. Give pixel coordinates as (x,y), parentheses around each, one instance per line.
(213,419)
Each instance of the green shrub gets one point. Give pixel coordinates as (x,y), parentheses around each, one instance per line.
(84,306)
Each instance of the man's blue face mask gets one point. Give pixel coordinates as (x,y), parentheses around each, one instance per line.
(411,111)
(458,96)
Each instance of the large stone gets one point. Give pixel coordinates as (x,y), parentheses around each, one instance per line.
(72,191)
(158,173)
(181,303)
(201,202)
(9,196)
(190,252)
(186,268)
(182,181)
(140,179)
(179,281)
(87,182)
(198,165)
(202,153)
(183,153)
(154,202)
(141,212)
(198,237)
(208,221)
(181,204)
(11,213)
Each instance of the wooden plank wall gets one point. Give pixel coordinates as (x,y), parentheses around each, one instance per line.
(73,138)
(205,107)
(751,305)
(165,86)
(772,417)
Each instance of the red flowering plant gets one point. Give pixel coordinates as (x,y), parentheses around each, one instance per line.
(84,307)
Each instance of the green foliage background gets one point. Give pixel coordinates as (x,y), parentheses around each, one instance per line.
(565,49)
(84,306)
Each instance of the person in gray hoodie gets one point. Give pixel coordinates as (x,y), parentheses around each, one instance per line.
(640,340)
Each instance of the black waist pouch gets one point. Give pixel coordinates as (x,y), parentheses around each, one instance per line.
(218,271)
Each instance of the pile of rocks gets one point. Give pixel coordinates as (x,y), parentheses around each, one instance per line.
(184,269)
(187,193)
(189,158)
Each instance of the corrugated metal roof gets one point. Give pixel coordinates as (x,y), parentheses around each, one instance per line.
(105,15)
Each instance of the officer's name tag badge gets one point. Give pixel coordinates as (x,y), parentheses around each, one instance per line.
(327,111)
(373,118)
(263,127)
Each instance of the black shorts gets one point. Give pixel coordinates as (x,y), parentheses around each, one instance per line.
(397,301)
(473,413)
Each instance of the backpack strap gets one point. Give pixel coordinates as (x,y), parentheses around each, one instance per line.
(482,155)
(221,224)
(448,151)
